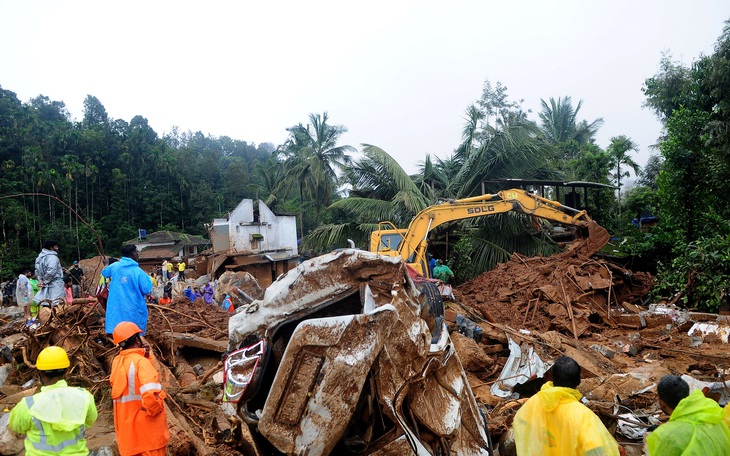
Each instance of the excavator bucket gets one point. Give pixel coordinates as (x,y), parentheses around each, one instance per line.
(597,238)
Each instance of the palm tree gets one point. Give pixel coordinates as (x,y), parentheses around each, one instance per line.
(431,179)
(559,122)
(618,151)
(381,190)
(564,133)
(509,151)
(313,159)
(470,132)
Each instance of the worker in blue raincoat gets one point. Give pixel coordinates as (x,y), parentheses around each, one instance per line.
(127,290)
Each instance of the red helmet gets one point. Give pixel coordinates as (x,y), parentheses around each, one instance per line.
(124,331)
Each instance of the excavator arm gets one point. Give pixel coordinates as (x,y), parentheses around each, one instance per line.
(411,244)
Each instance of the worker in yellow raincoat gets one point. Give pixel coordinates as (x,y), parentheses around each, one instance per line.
(696,426)
(555,423)
(55,419)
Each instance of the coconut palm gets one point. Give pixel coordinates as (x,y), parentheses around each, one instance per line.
(431,179)
(510,151)
(313,159)
(559,123)
(381,190)
(619,150)
(568,137)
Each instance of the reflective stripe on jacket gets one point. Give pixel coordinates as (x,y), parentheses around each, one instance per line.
(54,420)
(140,421)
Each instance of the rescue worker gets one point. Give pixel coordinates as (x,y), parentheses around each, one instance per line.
(695,426)
(127,290)
(50,276)
(227,304)
(55,419)
(554,422)
(140,421)
(442,272)
(181,271)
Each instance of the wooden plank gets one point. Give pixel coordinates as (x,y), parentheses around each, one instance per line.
(190,340)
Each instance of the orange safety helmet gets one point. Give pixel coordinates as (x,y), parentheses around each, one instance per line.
(124,331)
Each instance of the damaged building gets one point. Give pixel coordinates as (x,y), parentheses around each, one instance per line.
(154,248)
(254,240)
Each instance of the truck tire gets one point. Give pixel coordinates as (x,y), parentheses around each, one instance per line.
(435,307)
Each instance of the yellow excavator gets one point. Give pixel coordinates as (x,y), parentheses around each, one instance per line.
(411,244)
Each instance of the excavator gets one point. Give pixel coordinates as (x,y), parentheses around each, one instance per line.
(411,244)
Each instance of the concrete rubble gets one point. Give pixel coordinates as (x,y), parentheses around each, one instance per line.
(506,327)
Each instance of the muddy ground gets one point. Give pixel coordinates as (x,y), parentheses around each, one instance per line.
(568,304)
(596,312)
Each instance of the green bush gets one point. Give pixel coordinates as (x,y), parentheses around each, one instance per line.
(461,261)
(700,270)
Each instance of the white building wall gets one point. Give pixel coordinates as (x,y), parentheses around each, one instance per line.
(238,226)
(219,236)
(281,230)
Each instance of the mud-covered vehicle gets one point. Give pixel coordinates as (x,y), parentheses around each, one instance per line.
(346,354)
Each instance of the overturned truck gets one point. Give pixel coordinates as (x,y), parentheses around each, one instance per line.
(347,354)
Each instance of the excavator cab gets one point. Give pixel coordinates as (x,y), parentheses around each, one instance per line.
(387,238)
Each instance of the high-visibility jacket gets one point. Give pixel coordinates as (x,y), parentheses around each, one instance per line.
(54,420)
(554,423)
(695,428)
(140,421)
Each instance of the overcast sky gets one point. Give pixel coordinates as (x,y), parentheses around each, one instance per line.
(398,74)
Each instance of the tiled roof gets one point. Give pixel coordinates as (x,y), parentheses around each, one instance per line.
(159,252)
(161,237)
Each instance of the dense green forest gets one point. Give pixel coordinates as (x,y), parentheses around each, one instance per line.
(67,180)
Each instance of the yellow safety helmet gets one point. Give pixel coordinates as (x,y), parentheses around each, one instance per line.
(52,358)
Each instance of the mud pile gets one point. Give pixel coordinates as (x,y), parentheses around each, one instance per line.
(597,313)
(568,291)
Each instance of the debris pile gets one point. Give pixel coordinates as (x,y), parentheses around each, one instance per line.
(532,310)
(566,291)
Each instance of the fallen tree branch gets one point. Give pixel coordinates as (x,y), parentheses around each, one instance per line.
(156,306)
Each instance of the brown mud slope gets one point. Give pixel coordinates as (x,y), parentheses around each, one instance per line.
(567,291)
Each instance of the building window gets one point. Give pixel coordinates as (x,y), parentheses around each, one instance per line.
(256,240)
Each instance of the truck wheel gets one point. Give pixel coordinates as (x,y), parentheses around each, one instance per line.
(435,307)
